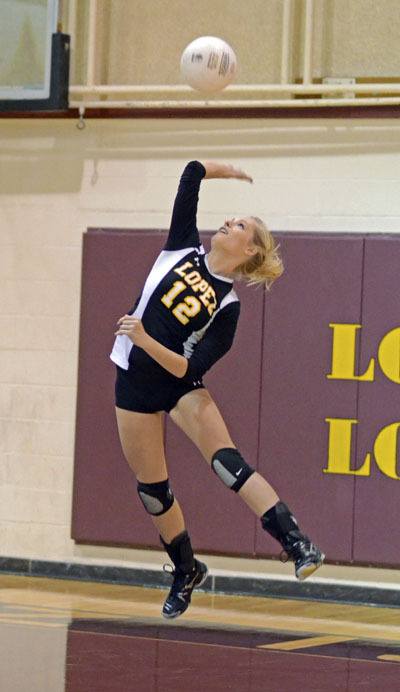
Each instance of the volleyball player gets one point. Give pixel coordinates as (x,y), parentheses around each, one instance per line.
(182,323)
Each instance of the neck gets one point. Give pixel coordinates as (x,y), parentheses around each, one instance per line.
(221,264)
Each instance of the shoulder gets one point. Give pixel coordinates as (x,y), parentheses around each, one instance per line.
(231,300)
(229,309)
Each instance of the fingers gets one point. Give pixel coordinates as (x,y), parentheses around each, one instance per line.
(244,176)
(241,175)
(128,318)
(126,324)
(125,328)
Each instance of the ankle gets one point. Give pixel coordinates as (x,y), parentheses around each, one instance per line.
(280,523)
(180,552)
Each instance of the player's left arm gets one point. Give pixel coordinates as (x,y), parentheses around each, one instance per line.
(215,343)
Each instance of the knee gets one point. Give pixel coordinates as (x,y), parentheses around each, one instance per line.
(231,468)
(157,498)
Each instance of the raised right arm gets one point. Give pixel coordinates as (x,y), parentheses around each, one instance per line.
(183,230)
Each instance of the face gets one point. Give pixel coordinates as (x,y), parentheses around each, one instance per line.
(236,238)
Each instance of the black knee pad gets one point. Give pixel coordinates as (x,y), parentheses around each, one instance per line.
(231,468)
(157,498)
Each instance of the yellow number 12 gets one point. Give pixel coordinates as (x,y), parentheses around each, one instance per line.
(177,288)
(189,308)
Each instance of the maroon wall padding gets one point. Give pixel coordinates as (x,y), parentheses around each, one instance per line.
(321,285)
(106,507)
(377,497)
(272,390)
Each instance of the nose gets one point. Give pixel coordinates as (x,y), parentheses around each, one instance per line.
(228,223)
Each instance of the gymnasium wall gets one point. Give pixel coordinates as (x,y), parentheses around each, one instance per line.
(304,396)
(315,176)
(351,38)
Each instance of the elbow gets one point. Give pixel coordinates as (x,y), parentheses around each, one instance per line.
(183,369)
(196,167)
(194,371)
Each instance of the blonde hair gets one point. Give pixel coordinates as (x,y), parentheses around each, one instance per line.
(265,266)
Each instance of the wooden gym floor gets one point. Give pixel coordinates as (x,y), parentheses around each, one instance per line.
(66,636)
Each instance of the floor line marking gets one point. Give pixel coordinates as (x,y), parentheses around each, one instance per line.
(19,617)
(305,643)
(389,657)
(66,609)
(47,613)
(9,621)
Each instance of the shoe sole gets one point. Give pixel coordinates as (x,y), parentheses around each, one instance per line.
(309,568)
(176,615)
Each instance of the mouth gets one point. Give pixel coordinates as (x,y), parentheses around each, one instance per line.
(223,230)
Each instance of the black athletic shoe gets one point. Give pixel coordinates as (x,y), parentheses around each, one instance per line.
(306,556)
(280,523)
(180,594)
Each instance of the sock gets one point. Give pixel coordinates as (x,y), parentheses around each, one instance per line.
(180,552)
(280,523)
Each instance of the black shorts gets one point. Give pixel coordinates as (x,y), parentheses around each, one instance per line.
(147,392)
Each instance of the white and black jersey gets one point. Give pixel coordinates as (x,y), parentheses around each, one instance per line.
(183,305)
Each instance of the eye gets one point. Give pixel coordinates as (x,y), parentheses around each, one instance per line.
(241,225)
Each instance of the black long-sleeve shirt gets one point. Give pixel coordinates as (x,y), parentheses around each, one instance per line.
(183,305)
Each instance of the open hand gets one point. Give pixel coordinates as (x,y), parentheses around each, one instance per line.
(215,169)
(132,327)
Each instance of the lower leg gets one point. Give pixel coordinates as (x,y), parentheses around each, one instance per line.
(276,517)
(258,494)
(159,501)
(165,511)
(142,441)
(187,575)
(170,524)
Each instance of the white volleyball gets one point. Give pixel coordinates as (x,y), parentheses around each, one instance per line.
(208,64)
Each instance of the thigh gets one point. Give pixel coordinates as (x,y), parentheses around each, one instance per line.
(198,416)
(142,441)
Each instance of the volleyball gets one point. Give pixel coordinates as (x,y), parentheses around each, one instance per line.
(208,64)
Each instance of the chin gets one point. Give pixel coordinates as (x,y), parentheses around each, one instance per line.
(217,236)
